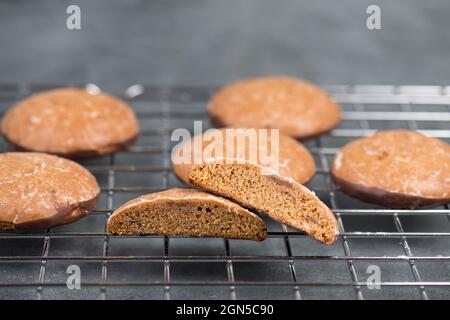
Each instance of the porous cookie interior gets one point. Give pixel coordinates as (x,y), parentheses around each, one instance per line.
(196,219)
(282,199)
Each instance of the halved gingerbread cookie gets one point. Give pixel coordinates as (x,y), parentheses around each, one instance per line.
(43,191)
(296,107)
(186,212)
(276,192)
(395,168)
(70,122)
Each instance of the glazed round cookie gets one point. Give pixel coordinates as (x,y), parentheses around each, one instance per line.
(43,191)
(395,168)
(295,161)
(187,212)
(70,122)
(259,185)
(296,107)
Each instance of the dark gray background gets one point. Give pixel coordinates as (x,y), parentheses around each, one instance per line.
(209,42)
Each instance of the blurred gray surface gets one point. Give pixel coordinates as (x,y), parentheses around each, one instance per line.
(208,42)
(166,43)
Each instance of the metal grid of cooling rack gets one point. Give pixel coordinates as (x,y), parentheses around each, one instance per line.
(409,248)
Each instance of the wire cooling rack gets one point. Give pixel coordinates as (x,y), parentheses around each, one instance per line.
(405,252)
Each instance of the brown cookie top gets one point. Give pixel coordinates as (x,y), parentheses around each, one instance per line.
(186,212)
(70,122)
(296,107)
(401,162)
(41,191)
(294,160)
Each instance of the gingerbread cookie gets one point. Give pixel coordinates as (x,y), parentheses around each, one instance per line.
(186,212)
(396,168)
(274,191)
(43,191)
(296,107)
(288,155)
(70,122)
